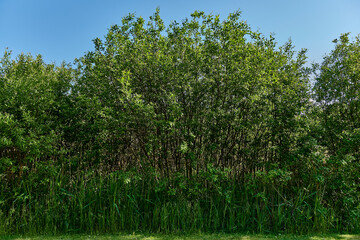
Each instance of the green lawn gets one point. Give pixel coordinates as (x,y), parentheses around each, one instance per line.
(187,237)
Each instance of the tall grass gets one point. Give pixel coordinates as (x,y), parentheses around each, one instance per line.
(130,202)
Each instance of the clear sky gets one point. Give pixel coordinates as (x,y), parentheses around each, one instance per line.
(64,29)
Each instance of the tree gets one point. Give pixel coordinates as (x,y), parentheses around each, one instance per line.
(199,92)
(32,99)
(337,94)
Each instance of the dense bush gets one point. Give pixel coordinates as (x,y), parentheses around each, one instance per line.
(202,125)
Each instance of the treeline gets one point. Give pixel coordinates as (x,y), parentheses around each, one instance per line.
(203,125)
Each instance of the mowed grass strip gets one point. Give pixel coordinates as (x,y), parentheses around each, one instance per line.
(186,237)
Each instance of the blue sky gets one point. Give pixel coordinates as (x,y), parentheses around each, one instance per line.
(64,29)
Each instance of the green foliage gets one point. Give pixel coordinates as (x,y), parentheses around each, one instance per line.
(337,94)
(32,98)
(337,91)
(203,125)
(201,93)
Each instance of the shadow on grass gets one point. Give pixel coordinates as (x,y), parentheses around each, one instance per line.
(185,237)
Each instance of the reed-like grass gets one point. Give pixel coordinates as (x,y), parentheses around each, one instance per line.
(124,202)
